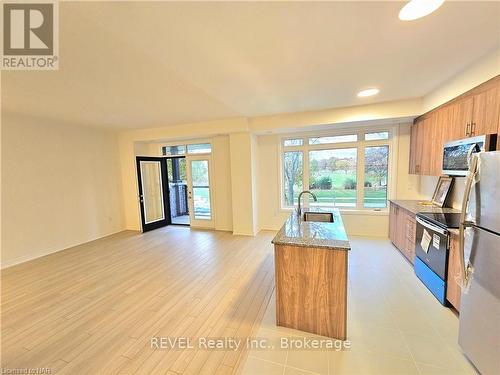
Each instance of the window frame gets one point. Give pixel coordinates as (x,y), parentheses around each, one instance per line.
(360,145)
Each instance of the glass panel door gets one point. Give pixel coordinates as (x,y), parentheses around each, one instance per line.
(152,184)
(199,191)
(178,191)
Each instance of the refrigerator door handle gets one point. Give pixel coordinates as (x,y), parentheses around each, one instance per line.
(465,269)
(471,150)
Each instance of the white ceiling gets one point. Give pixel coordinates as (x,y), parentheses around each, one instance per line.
(137,64)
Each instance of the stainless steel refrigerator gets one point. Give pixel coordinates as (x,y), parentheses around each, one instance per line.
(479,333)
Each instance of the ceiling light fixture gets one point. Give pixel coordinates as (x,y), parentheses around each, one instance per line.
(415,9)
(368,92)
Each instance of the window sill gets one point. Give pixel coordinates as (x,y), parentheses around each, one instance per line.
(346,211)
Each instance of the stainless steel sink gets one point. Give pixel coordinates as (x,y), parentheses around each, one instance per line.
(325,217)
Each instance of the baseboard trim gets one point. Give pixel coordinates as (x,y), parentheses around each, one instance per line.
(30,257)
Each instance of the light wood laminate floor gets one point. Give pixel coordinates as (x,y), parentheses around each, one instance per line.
(94,308)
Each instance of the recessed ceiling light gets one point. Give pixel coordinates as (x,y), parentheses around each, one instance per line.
(368,92)
(415,9)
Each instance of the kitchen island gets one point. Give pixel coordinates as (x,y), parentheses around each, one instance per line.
(311,274)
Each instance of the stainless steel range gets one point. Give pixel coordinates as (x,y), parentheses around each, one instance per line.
(432,248)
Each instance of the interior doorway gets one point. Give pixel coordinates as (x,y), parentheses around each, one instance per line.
(178,190)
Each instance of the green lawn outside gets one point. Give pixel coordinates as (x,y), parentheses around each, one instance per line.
(373,197)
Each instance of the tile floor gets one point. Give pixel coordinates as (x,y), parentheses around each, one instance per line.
(395,325)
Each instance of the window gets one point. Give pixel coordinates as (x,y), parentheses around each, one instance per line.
(200,148)
(201,189)
(334,139)
(376,136)
(292,142)
(376,172)
(292,176)
(174,150)
(349,171)
(197,148)
(332,177)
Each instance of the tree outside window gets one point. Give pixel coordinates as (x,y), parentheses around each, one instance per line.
(292,174)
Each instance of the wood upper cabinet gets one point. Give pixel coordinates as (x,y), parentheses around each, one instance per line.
(459,120)
(440,130)
(427,144)
(485,112)
(426,149)
(415,149)
(474,113)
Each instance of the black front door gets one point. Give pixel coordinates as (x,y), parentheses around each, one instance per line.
(153,192)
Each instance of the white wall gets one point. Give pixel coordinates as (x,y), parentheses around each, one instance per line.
(223,201)
(407,185)
(61,187)
(242,183)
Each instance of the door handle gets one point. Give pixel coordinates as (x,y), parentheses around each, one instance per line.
(467,129)
(472,128)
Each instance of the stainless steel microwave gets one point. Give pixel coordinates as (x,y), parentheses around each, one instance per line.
(456,154)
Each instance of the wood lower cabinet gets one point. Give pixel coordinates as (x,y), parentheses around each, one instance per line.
(474,113)
(411,228)
(402,227)
(453,290)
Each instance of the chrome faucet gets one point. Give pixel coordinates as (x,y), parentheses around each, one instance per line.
(300,197)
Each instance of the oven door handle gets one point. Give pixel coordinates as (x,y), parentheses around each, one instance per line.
(432,227)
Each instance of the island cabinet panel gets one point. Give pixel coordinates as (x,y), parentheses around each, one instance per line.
(453,290)
(311,290)
(477,112)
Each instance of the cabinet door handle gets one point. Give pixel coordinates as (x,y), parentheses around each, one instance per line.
(472,128)
(467,131)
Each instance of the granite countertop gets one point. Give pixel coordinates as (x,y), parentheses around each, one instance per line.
(297,232)
(415,206)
